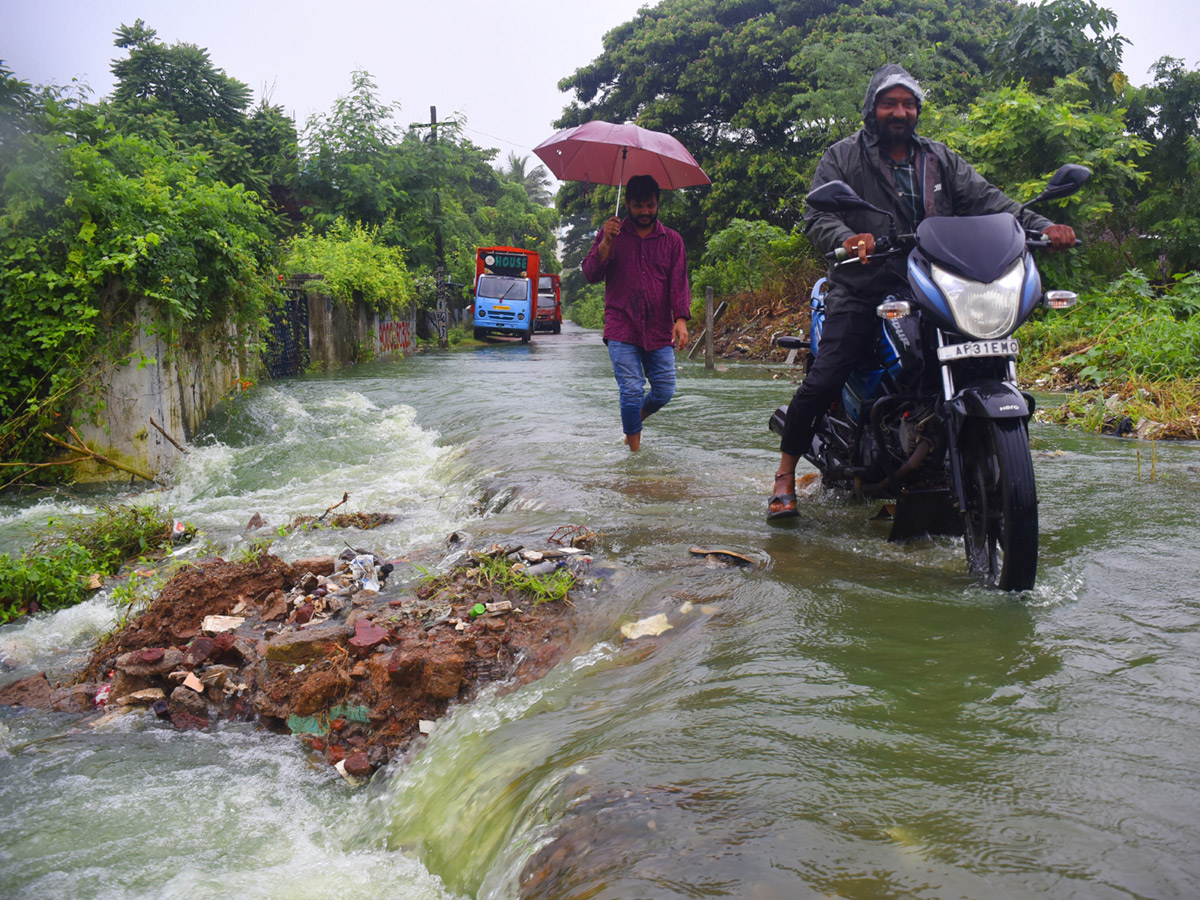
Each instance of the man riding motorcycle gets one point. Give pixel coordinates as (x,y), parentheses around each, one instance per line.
(890,166)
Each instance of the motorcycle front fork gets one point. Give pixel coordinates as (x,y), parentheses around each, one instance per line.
(956,422)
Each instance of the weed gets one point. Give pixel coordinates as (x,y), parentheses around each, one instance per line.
(496,572)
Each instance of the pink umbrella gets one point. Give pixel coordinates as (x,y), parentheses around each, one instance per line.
(601,153)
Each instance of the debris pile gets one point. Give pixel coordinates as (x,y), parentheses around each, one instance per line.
(321,648)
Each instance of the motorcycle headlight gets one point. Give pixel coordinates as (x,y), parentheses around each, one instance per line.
(981,310)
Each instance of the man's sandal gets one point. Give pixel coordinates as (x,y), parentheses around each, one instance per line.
(786,503)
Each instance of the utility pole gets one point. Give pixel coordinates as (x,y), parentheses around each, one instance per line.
(442,315)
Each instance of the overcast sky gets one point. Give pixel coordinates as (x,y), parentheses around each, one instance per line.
(498,63)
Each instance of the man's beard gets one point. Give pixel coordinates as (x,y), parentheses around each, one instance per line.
(891,136)
(645,221)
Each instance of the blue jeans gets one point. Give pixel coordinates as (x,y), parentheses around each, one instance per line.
(633,367)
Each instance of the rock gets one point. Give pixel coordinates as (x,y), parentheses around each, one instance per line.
(75,698)
(187,709)
(213,624)
(148,697)
(317,565)
(405,667)
(256,521)
(443,676)
(275,606)
(198,651)
(308,583)
(295,647)
(151,661)
(123,683)
(358,764)
(319,691)
(367,636)
(33,692)
(302,615)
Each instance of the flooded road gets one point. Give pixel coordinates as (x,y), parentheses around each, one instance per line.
(848,719)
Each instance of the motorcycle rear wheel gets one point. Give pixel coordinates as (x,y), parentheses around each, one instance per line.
(1000,528)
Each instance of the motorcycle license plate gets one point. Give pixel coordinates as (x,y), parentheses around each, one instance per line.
(1006,347)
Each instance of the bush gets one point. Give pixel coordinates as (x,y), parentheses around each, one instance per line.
(56,573)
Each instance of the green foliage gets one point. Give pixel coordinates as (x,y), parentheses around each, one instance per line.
(497,572)
(356,265)
(757,89)
(1166,114)
(1055,38)
(1127,330)
(85,212)
(739,258)
(588,310)
(416,189)
(56,572)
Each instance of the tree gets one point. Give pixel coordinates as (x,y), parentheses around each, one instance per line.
(175,93)
(1057,37)
(179,78)
(535,181)
(1166,114)
(756,89)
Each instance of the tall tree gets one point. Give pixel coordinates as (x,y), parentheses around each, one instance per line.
(535,181)
(179,78)
(1054,38)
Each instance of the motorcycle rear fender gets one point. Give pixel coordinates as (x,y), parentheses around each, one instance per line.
(992,400)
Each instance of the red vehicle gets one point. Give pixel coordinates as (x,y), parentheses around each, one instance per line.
(549,304)
(506,281)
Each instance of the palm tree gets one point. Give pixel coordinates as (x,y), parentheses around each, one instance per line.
(536,181)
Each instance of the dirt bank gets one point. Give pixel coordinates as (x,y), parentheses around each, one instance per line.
(323,649)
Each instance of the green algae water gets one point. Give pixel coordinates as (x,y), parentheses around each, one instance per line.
(848,719)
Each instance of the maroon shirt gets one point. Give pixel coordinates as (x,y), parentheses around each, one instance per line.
(645,285)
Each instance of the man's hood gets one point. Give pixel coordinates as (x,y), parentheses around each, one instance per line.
(886,77)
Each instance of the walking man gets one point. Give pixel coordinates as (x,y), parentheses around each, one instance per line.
(889,165)
(647,303)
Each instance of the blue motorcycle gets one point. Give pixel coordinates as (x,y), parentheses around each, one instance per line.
(935,421)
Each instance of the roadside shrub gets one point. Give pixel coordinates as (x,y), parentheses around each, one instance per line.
(356,265)
(57,571)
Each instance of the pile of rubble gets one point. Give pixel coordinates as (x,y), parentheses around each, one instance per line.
(322,648)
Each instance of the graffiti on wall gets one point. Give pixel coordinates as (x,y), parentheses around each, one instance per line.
(393,336)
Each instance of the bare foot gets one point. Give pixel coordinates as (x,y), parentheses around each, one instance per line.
(633,441)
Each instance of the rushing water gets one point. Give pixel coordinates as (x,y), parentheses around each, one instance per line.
(848,719)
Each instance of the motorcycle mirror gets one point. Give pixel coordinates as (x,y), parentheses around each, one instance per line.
(837,196)
(1066,181)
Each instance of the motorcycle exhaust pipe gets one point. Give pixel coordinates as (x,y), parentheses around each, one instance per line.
(924,445)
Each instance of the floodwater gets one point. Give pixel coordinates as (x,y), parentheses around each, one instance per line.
(847,719)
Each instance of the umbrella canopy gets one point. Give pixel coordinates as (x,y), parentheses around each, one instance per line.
(603,153)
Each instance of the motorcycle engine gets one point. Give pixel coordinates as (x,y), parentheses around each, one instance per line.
(913,426)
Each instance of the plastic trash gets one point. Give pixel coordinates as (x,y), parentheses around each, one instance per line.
(362,567)
(543,568)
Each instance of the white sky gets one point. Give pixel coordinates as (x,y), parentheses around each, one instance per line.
(498,62)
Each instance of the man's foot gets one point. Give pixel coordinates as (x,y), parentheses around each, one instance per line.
(782,504)
(633,441)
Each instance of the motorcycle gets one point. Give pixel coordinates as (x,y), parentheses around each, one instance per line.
(936,421)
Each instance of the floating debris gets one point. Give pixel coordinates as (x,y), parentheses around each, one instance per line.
(651,627)
(723,557)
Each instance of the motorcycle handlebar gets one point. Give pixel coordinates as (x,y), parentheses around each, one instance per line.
(1037,240)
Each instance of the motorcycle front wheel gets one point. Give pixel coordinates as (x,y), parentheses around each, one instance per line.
(1000,528)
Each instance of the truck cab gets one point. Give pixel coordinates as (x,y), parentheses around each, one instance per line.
(549,304)
(505,293)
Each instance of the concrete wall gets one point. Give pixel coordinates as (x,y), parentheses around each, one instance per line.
(178,386)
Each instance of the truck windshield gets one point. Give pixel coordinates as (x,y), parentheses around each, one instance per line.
(545,284)
(498,287)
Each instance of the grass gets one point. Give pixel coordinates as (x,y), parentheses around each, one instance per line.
(71,556)
(1128,351)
